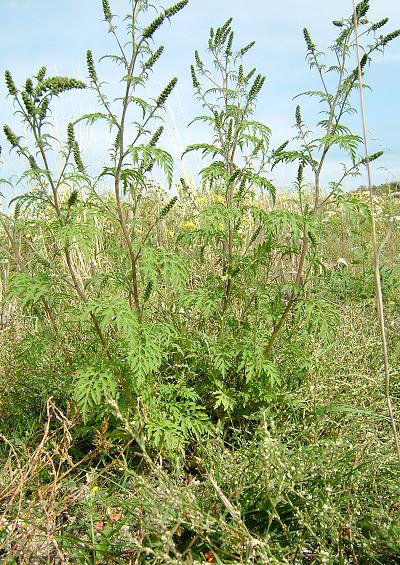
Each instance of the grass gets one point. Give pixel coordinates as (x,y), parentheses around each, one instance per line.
(311,478)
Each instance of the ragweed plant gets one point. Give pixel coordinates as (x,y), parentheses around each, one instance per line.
(175,325)
(157,322)
(239,141)
(242,248)
(338,80)
(268,278)
(100,269)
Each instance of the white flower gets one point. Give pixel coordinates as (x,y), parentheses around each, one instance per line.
(341,263)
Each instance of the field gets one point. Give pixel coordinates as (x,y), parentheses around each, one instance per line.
(199,372)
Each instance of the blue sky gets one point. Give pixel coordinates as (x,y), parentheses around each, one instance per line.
(57,34)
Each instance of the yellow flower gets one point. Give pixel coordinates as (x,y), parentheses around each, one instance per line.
(95,489)
(219,198)
(188,225)
(283,197)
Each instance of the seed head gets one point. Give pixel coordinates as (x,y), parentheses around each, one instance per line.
(242,188)
(77,158)
(236,174)
(226,25)
(72,199)
(257,86)
(29,86)
(362,8)
(12,89)
(199,62)
(229,132)
(379,24)
(29,105)
(299,121)
(149,31)
(90,66)
(255,234)
(224,36)
(117,140)
(372,157)
(156,136)
(308,40)
(312,237)
(168,207)
(202,252)
(107,11)
(61,84)
(147,292)
(222,33)
(166,92)
(149,167)
(17,210)
(175,8)
(56,85)
(343,36)
(184,184)
(250,74)
(41,74)
(154,57)
(217,120)
(300,173)
(338,23)
(44,106)
(10,135)
(70,135)
(32,163)
(244,50)
(281,147)
(228,50)
(195,81)
(364,61)
(387,38)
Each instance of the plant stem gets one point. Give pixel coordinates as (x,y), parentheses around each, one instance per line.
(286,312)
(378,286)
(117,177)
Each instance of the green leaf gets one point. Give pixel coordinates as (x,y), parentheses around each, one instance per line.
(223,399)
(92,118)
(346,409)
(92,387)
(347,142)
(148,155)
(145,106)
(29,289)
(206,148)
(320,317)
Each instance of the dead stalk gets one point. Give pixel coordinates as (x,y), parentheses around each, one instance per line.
(376,250)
